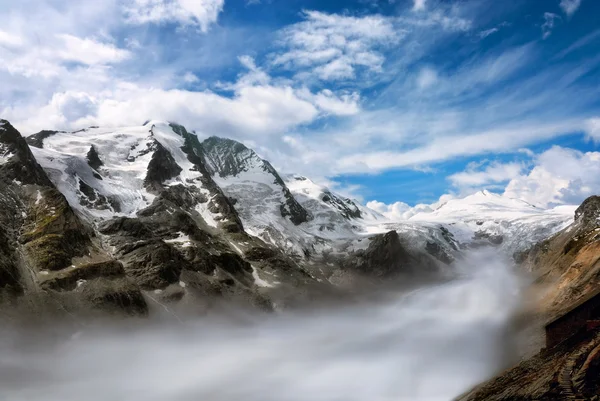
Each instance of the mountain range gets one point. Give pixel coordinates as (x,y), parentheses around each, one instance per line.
(121,218)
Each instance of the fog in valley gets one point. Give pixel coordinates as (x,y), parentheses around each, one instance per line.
(430,343)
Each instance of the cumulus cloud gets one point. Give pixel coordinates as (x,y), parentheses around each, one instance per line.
(560,176)
(570,6)
(333,47)
(200,13)
(399,211)
(394,211)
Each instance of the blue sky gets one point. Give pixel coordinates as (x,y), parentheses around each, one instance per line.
(392,102)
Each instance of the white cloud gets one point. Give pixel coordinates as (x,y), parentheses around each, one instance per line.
(394,211)
(333,47)
(190,78)
(257,108)
(484,34)
(593,129)
(200,13)
(426,78)
(570,6)
(419,5)
(560,176)
(448,147)
(399,211)
(9,40)
(493,173)
(89,51)
(549,22)
(344,104)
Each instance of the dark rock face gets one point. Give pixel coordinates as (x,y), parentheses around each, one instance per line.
(115,296)
(348,208)
(162,167)
(588,213)
(67,279)
(438,252)
(41,237)
(37,140)
(93,158)
(219,203)
(387,256)
(53,234)
(151,263)
(22,166)
(10,276)
(91,198)
(482,238)
(291,207)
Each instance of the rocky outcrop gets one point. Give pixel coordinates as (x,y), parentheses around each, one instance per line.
(162,167)
(569,262)
(37,140)
(387,256)
(19,165)
(219,202)
(46,249)
(346,206)
(93,158)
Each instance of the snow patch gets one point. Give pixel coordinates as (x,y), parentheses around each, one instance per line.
(259,281)
(182,240)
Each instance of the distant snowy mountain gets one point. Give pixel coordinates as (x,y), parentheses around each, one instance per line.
(485,216)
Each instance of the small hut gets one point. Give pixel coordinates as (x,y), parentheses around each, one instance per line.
(583,315)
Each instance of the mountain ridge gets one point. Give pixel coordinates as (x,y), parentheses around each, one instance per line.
(194,221)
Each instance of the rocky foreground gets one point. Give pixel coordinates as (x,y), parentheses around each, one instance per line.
(567,267)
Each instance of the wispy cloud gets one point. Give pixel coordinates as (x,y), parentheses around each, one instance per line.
(549,23)
(580,43)
(484,34)
(475,176)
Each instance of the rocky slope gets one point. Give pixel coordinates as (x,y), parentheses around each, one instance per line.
(567,267)
(135,219)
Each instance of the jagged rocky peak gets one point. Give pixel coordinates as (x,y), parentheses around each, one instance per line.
(231,162)
(16,160)
(227,157)
(37,140)
(588,213)
(304,187)
(161,168)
